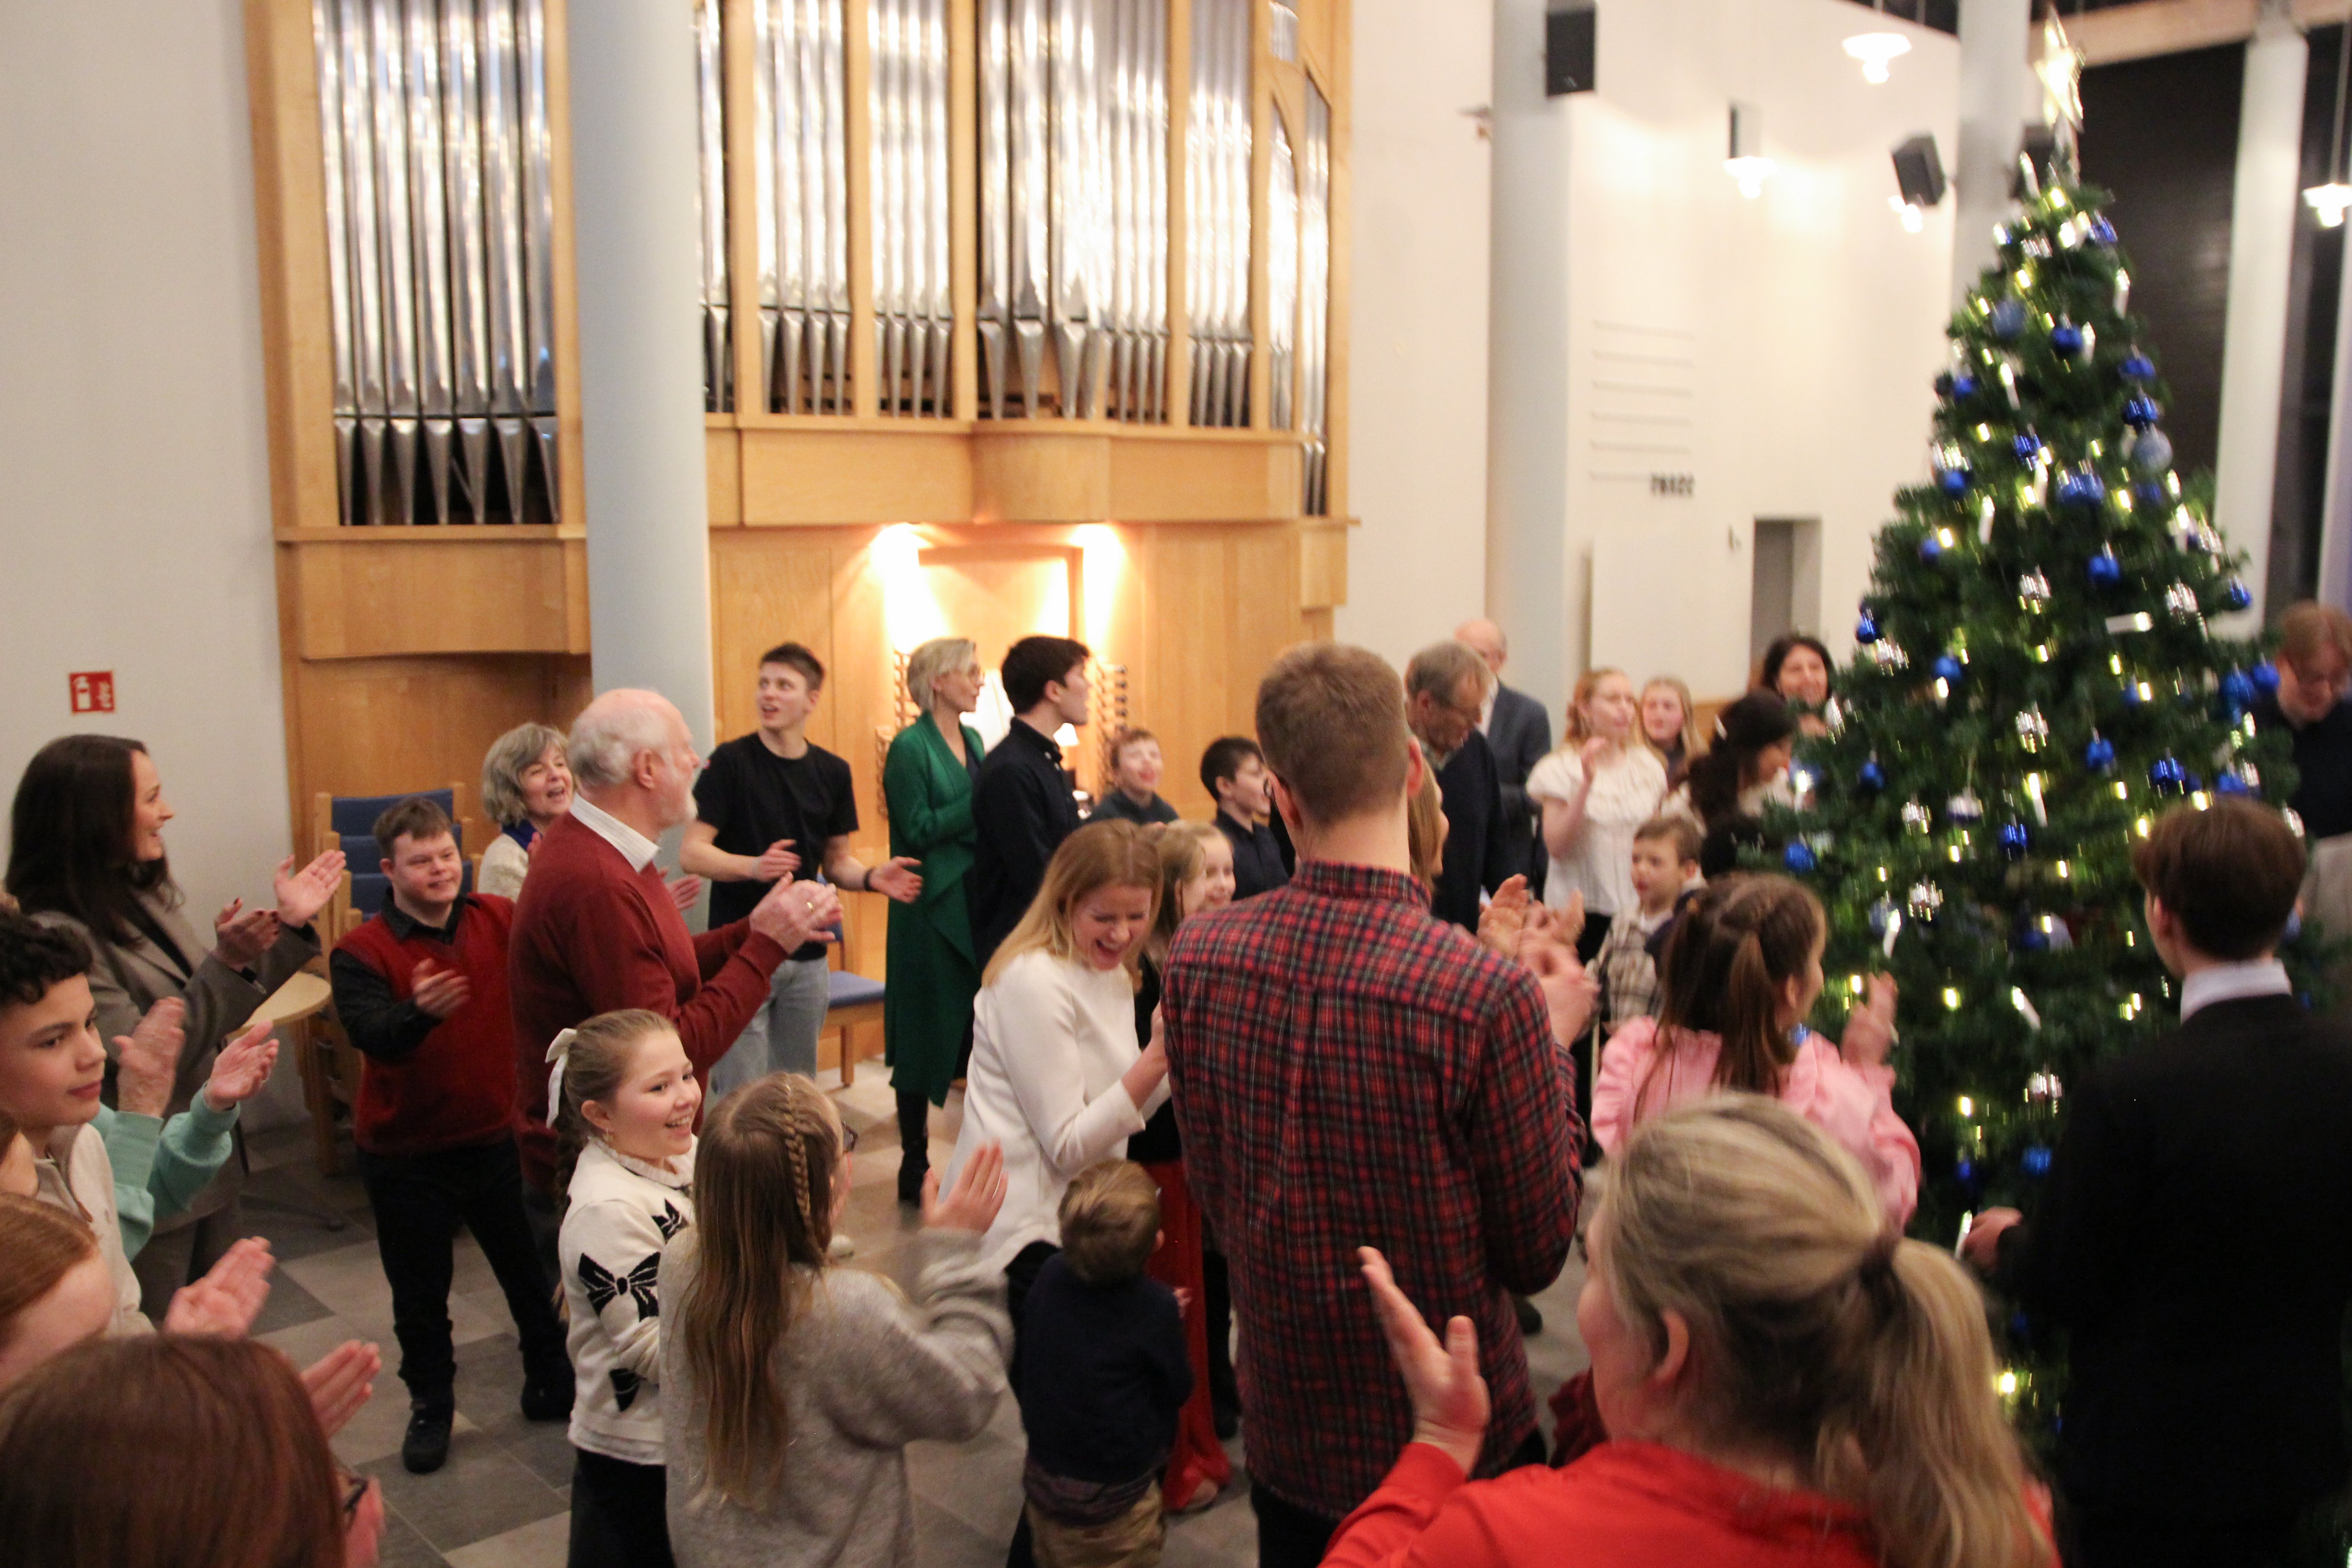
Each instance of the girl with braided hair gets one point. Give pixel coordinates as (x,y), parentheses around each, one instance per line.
(1738,979)
(624,1098)
(1784,1380)
(793,1386)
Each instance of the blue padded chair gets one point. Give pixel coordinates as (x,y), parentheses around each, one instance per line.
(347,822)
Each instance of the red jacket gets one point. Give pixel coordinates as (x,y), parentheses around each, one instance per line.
(1623,1503)
(427,1085)
(592,936)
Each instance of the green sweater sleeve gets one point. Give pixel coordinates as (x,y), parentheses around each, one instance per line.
(906,783)
(161,1166)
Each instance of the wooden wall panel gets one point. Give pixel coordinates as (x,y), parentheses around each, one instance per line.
(767,588)
(372,593)
(826,478)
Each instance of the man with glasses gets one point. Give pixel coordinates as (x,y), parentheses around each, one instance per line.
(2315,670)
(1445,696)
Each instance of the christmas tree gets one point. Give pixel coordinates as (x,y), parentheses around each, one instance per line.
(2037,679)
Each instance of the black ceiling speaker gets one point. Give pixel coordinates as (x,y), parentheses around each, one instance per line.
(1568,47)
(1919,172)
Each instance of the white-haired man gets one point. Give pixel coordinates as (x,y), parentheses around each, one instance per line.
(596,930)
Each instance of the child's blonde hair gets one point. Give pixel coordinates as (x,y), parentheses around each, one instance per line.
(1110,1221)
(1100,855)
(1424,825)
(1184,851)
(1682,691)
(595,1064)
(763,1191)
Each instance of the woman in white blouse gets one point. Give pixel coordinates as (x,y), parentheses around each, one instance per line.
(1056,1076)
(1600,785)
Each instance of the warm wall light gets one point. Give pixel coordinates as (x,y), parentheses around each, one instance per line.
(1746,162)
(911,614)
(1102,560)
(2328,202)
(1874,50)
(1909,215)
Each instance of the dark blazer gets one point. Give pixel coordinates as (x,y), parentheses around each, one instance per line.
(1022,809)
(1477,849)
(2196,1238)
(1519,733)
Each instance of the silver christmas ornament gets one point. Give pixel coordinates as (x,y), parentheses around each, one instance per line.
(2032,729)
(2181,600)
(1965,807)
(2034,589)
(1923,900)
(1889,655)
(1916,819)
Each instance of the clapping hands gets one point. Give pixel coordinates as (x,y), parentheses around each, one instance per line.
(302,894)
(1450,1406)
(147,1059)
(242,1067)
(972,1204)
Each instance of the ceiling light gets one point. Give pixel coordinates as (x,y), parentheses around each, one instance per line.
(1874,50)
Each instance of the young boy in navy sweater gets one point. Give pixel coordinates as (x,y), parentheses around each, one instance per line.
(421,989)
(1101,1377)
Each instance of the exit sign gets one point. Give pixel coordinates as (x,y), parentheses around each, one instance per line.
(92,690)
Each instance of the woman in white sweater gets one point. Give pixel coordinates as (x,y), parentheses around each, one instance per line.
(1595,790)
(1056,1076)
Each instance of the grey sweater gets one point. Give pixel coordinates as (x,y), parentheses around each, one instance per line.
(867,1372)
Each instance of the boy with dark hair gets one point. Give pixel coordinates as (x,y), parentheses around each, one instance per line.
(421,990)
(1022,807)
(2195,1231)
(1135,771)
(774,804)
(1102,1376)
(1665,870)
(1233,770)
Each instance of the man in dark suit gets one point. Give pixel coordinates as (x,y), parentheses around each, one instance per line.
(2196,1231)
(1445,693)
(1519,732)
(1022,807)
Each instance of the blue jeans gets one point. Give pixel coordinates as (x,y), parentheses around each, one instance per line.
(781,1035)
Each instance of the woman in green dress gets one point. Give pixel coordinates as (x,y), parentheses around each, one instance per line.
(926,789)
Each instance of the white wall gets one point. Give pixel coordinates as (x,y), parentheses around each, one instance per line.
(134,514)
(1786,343)
(1417,345)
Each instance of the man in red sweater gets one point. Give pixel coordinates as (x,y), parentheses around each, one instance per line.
(596,930)
(421,991)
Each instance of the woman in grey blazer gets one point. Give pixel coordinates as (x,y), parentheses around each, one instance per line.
(86,851)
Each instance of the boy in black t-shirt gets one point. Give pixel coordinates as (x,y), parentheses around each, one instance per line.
(772,805)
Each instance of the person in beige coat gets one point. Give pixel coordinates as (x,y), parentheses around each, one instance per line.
(86,852)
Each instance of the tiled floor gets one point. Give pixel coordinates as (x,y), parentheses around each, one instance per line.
(500,1501)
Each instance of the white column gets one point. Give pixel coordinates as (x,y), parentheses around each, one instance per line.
(2336,521)
(1995,83)
(2253,340)
(1528,369)
(634,126)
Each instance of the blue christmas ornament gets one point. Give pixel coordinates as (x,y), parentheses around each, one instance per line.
(2102,231)
(1866,630)
(2140,411)
(2138,366)
(2036,1160)
(2007,317)
(2131,693)
(1930,548)
(2100,755)
(2238,689)
(2152,452)
(2015,840)
(2148,491)
(2030,937)
(2104,569)
(1965,1169)
(1953,482)
(2230,784)
(2066,338)
(1944,385)
(2165,773)
(2191,781)
(2080,487)
(2026,445)
(1948,668)
(2237,595)
(1799,857)
(1964,385)
(2266,676)
(1872,777)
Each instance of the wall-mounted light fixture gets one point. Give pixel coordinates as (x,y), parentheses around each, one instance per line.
(1874,50)
(1746,162)
(1918,181)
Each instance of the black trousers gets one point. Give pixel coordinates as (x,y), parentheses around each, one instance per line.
(419,1201)
(620,1514)
(1289,1536)
(1019,1275)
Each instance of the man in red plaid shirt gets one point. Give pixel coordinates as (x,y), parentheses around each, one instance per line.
(1350,1071)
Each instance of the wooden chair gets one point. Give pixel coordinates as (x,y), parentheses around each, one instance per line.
(347,823)
(853,1020)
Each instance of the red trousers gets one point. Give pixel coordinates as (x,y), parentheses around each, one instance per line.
(1198,1456)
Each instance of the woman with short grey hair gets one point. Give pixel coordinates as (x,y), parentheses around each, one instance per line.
(526,785)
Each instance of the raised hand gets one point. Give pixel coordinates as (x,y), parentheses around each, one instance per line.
(439,992)
(240,936)
(794,914)
(1870,1028)
(1982,1247)
(1591,753)
(972,1204)
(685,891)
(1570,918)
(147,1059)
(302,894)
(1504,918)
(1569,991)
(341,1382)
(1449,1407)
(227,1299)
(896,879)
(242,1067)
(776,862)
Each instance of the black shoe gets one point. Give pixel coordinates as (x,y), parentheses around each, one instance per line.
(1530,1320)
(548,1399)
(426,1449)
(911,1182)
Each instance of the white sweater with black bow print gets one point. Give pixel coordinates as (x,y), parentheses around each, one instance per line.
(623,1213)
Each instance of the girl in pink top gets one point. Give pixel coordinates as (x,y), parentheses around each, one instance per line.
(1740,973)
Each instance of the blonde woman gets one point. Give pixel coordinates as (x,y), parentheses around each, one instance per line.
(1784,1379)
(526,785)
(1600,785)
(1670,723)
(927,786)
